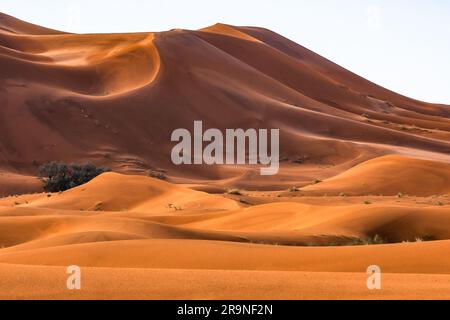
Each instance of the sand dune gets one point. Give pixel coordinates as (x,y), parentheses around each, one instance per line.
(13,183)
(195,254)
(110,192)
(368,171)
(390,175)
(39,230)
(12,25)
(113,98)
(52,231)
(40,282)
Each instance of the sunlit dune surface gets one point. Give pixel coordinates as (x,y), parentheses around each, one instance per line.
(391,175)
(142,194)
(227,30)
(214,233)
(90,65)
(364,172)
(41,282)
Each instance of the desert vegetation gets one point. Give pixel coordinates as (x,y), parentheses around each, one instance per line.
(233,191)
(59,176)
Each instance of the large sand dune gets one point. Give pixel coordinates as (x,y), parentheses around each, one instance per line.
(116,98)
(371,170)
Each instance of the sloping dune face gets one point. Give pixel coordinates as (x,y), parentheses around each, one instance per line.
(115,99)
(169,238)
(368,171)
(11,25)
(135,193)
(390,175)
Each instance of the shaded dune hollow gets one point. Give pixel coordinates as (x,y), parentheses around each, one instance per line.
(364,173)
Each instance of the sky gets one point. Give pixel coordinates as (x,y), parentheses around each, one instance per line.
(403,45)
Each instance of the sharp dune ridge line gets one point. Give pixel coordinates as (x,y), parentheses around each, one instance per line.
(364,177)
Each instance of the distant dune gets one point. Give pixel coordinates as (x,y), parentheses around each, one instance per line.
(390,175)
(364,177)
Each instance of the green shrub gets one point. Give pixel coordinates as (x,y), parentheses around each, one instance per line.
(58,176)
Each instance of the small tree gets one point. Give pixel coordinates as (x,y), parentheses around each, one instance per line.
(58,176)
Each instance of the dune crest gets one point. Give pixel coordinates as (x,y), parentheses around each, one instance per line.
(13,25)
(228,30)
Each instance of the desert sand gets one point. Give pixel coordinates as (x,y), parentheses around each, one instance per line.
(364,177)
(155,240)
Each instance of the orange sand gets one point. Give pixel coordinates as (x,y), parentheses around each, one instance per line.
(130,233)
(366,162)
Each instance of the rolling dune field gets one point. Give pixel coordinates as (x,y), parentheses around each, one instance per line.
(364,172)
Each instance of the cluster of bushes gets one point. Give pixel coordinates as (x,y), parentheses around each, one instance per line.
(59,176)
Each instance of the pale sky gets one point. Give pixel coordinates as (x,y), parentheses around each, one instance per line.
(403,45)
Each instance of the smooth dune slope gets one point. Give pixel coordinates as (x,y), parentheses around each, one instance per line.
(111,192)
(111,283)
(223,237)
(10,24)
(211,255)
(115,99)
(390,175)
